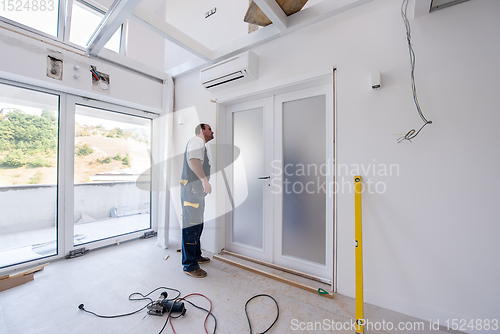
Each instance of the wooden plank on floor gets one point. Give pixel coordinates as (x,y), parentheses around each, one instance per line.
(275,277)
(275,266)
(30,271)
(14,281)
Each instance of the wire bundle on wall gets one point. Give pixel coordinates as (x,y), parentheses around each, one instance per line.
(412,133)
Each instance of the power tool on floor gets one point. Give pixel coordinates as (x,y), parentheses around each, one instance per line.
(163,305)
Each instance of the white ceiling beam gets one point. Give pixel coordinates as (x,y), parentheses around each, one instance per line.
(299,20)
(274,12)
(171,33)
(115,16)
(187,66)
(320,12)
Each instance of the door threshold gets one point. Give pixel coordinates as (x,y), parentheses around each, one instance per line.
(314,289)
(278,267)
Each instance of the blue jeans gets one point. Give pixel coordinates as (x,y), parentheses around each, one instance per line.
(191,249)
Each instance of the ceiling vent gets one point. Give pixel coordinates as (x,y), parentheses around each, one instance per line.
(230,71)
(440,4)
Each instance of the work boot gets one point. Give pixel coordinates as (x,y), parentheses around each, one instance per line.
(197,273)
(203,259)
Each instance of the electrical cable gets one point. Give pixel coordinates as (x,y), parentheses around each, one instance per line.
(144,297)
(412,133)
(277,313)
(209,312)
(165,324)
(176,299)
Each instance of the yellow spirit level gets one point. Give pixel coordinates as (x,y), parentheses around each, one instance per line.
(359,255)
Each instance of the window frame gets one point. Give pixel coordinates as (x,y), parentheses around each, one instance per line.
(65,175)
(64,25)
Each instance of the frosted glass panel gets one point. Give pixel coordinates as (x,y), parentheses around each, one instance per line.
(304,158)
(248,217)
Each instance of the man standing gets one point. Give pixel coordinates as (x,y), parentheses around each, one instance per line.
(194,188)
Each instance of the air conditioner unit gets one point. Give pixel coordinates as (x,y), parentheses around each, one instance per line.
(236,69)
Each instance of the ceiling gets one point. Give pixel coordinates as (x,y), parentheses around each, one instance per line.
(199,41)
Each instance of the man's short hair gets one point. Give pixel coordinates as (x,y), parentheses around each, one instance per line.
(198,128)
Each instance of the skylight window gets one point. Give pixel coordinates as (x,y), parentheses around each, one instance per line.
(85,19)
(37,14)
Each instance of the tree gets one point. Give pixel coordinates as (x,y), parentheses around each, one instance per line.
(31,132)
(50,115)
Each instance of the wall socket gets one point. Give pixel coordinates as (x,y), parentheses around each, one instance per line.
(54,68)
(100,81)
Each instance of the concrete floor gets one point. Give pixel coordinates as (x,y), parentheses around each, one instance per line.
(103,279)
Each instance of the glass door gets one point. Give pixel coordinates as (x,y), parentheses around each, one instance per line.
(73,173)
(281,180)
(250,229)
(111,174)
(29,134)
(303,209)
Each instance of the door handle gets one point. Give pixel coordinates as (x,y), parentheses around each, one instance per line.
(264,177)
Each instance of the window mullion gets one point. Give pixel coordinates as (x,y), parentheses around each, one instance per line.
(61,18)
(67,20)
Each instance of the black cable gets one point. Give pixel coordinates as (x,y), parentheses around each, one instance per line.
(144,297)
(201,308)
(81,307)
(150,303)
(412,133)
(277,313)
(166,321)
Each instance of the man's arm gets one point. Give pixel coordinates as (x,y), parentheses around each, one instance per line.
(198,170)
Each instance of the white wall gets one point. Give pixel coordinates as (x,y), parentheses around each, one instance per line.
(24,59)
(145,46)
(430,247)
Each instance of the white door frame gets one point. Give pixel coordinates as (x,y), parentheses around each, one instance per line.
(65,186)
(324,271)
(69,147)
(303,81)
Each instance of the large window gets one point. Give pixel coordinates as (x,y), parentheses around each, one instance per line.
(72,174)
(29,122)
(112,150)
(37,14)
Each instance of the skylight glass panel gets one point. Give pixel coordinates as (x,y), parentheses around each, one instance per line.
(84,21)
(41,15)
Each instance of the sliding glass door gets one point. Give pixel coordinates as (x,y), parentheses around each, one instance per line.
(112,149)
(29,124)
(74,173)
